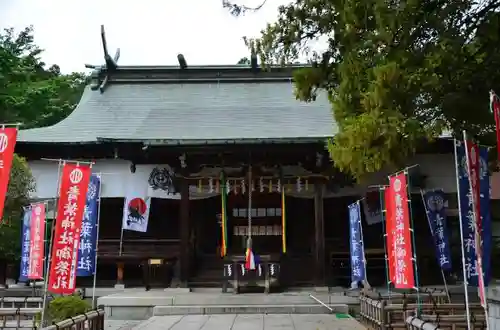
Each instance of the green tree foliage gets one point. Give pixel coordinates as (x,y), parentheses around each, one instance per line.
(30,93)
(395,72)
(21,183)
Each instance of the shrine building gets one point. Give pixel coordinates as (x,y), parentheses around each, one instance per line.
(173,131)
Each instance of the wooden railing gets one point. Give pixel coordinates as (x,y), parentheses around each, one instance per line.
(445,322)
(18,318)
(152,248)
(93,320)
(382,313)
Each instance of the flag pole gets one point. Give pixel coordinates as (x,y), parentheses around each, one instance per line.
(477,235)
(435,243)
(412,231)
(384,231)
(51,242)
(365,284)
(99,175)
(464,271)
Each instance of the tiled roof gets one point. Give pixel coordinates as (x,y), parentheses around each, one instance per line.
(190,113)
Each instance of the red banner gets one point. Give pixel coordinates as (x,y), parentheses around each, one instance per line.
(389,220)
(474,168)
(37,236)
(398,195)
(8,138)
(72,196)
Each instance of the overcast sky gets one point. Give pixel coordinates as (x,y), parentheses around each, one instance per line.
(148,32)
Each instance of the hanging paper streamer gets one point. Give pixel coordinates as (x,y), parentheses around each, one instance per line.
(283,221)
(25,245)
(436,216)
(358,273)
(88,234)
(466,214)
(223,213)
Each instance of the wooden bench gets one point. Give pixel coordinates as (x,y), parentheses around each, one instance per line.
(93,320)
(382,313)
(266,274)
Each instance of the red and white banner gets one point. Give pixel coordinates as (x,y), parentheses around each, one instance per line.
(72,196)
(389,230)
(37,235)
(403,253)
(8,138)
(474,168)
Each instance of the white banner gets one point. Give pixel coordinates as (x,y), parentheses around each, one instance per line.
(137,205)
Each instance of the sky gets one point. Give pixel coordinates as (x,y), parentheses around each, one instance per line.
(148,32)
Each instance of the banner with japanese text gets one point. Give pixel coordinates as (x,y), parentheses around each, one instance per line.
(25,245)
(37,241)
(72,195)
(390,234)
(8,138)
(435,206)
(467,214)
(356,243)
(88,234)
(403,253)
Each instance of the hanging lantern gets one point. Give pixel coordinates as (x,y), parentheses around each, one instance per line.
(261,185)
(243,186)
(211,185)
(299,184)
(228,187)
(199,186)
(278,186)
(271,186)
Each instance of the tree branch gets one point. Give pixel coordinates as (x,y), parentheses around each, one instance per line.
(238,10)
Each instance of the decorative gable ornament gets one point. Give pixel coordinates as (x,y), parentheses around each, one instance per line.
(163,178)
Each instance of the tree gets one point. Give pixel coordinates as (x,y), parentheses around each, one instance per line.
(21,184)
(395,72)
(30,93)
(244,61)
(237,9)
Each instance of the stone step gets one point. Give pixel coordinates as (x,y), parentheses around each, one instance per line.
(249,309)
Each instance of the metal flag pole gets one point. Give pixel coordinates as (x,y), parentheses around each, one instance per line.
(51,241)
(381,190)
(464,271)
(249,215)
(414,242)
(365,284)
(96,251)
(435,243)
(477,236)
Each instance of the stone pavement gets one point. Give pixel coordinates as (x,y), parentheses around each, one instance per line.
(246,322)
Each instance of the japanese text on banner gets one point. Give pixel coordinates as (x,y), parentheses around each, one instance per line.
(467,214)
(356,243)
(88,234)
(401,226)
(72,195)
(25,245)
(8,138)
(436,216)
(37,242)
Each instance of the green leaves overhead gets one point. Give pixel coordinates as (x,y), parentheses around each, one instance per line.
(396,72)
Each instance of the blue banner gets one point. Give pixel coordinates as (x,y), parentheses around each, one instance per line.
(467,217)
(356,243)
(25,245)
(435,205)
(88,235)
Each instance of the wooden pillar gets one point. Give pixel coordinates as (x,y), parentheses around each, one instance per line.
(319,235)
(120,269)
(184,234)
